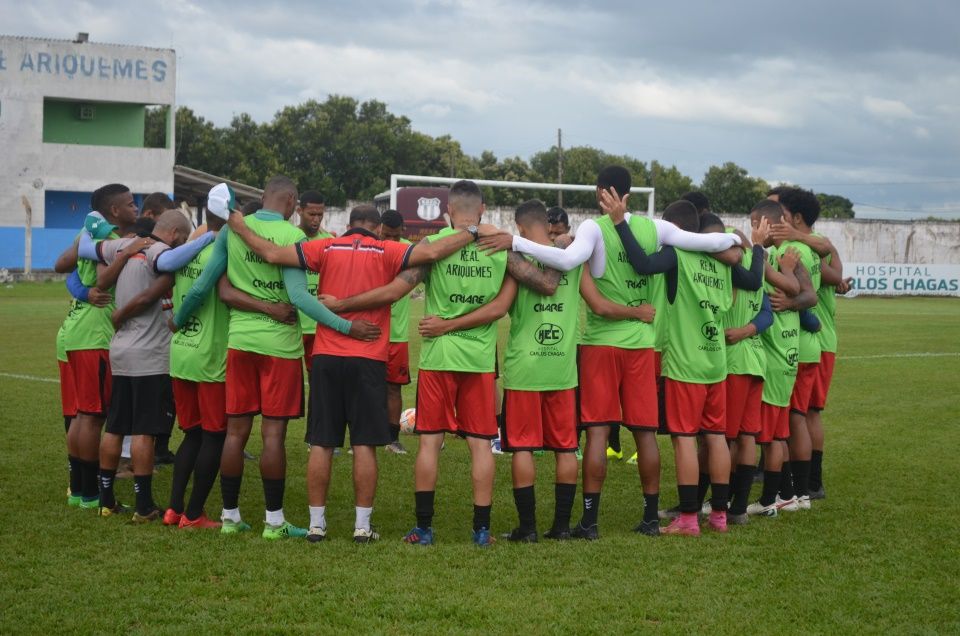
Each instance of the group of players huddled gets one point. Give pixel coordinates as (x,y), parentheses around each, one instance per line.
(691,329)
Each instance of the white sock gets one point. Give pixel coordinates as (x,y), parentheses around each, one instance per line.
(318,517)
(125,448)
(230,515)
(363,518)
(275,517)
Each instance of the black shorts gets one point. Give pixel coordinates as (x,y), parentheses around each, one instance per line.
(141,405)
(348,392)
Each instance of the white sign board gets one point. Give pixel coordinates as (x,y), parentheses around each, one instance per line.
(896,279)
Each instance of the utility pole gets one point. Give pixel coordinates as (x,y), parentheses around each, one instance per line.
(559,166)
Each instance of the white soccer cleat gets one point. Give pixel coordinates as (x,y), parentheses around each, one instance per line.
(759,510)
(788,505)
(803,502)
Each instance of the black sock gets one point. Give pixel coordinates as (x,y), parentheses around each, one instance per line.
(742,481)
(205,472)
(107,499)
(143,487)
(801,477)
(76,476)
(650,505)
(66,423)
(230,491)
(526,503)
(719,496)
(591,506)
(273,493)
(183,465)
(771,484)
(161,444)
(702,486)
(613,440)
(90,480)
(481,517)
(688,498)
(394,433)
(563,505)
(423,501)
(786,482)
(816,470)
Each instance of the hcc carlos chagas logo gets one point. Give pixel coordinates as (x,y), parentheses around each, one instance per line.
(548,334)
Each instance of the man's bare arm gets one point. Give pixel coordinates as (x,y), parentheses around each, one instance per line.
(434,326)
(67,261)
(285,255)
(142,301)
(236,299)
(831,273)
(608,309)
(387,294)
(542,281)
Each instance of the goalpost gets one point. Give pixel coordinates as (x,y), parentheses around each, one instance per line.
(395,179)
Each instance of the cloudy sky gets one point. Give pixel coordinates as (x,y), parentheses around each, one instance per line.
(860,99)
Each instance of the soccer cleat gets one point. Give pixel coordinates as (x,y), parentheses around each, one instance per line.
(202,522)
(362,535)
(633,460)
(482,538)
(683,527)
(705,509)
(612,454)
(737,520)
(803,502)
(818,494)
(124,469)
(74,500)
(164,459)
(649,528)
(519,536)
(759,510)
(118,509)
(495,446)
(316,534)
(787,505)
(150,517)
(669,514)
(557,534)
(234,527)
(419,536)
(396,448)
(286,530)
(589,534)
(171,517)
(717,520)
(89,504)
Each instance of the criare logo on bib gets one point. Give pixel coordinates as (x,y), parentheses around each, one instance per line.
(428,209)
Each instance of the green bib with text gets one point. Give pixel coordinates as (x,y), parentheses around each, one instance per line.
(746,357)
(198,352)
(86,326)
(826,312)
(809,342)
(400,315)
(781,342)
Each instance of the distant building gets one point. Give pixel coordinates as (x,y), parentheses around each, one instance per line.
(72,118)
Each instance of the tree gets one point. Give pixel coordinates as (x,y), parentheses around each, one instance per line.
(581,165)
(834,206)
(670,183)
(731,189)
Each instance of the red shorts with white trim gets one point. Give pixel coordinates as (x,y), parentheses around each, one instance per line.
(265,385)
(806,376)
(456,402)
(92,380)
(744,395)
(398,363)
(202,404)
(308,349)
(618,386)
(821,385)
(774,423)
(68,390)
(534,420)
(696,408)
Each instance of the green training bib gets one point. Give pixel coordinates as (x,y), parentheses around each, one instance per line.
(198,352)
(400,315)
(746,357)
(809,342)
(781,342)
(86,326)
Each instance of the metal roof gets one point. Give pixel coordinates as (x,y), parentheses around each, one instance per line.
(192,185)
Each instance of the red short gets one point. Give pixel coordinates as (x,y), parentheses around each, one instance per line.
(658,363)
(618,386)
(68,390)
(534,420)
(696,408)
(270,386)
(744,394)
(821,386)
(308,350)
(806,376)
(91,380)
(398,363)
(202,404)
(456,402)
(774,423)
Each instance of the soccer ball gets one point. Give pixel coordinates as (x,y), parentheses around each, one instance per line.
(408,420)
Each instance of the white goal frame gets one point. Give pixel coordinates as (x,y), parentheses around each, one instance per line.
(396,179)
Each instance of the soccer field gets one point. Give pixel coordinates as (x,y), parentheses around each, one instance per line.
(880,554)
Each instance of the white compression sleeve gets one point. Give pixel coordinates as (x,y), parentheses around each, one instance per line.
(670,234)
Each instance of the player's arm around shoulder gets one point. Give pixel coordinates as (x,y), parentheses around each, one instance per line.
(606,308)
(286,255)
(543,281)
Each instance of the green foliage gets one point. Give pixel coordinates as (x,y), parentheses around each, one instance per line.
(731,190)
(834,206)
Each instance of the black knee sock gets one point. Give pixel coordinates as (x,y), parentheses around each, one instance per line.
(613,439)
(771,485)
(526,503)
(230,491)
(273,493)
(143,487)
(481,517)
(563,505)
(90,480)
(591,508)
(107,498)
(816,470)
(702,486)
(423,501)
(786,482)
(205,472)
(742,481)
(183,465)
(394,433)
(76,476)
(801,477)
(719,497)
(651,503)
(688,498)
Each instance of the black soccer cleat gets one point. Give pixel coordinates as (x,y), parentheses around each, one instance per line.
(590,534)
(519,536)
(649,528)
(818,493)
(558,534)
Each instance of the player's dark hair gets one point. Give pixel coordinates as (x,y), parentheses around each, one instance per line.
(102,197)
(364,213)
(770,209)
(213,221)
(392,219)
(709,220)
(465,188)
(802,202)
(158,203)
(683,214)
(281,185)
(616,177)
(250,207)
(311,197)
(143,226)
(778,190)
(699,200)
(532,211)
(558,215)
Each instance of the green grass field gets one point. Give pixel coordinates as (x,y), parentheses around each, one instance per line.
(880,554)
